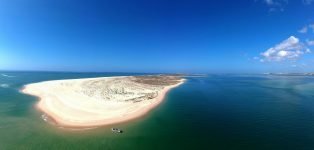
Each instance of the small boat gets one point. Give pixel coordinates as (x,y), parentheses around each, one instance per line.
(44,117)
(116,130)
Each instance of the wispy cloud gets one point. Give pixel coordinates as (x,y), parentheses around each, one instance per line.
(306,28)
(289,49)
(308,2)
(311,26)
(283,2)
(303,30)
(299,65)
(279,5)
(270,2)
(310,42)
(275,5)
(276,2)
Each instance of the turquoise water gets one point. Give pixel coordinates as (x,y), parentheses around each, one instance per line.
(247,112)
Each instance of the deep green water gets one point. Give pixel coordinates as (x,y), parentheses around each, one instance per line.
(219,112)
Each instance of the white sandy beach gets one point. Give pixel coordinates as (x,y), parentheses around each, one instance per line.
(100,101)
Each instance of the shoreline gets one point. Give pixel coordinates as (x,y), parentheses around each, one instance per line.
(44,99)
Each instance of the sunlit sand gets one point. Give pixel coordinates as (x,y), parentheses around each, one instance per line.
(100,101)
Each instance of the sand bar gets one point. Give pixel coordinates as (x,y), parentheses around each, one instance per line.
(100,101)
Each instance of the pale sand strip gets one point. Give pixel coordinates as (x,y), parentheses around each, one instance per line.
(71,110)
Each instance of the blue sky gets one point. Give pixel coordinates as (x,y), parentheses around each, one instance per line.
(196,36)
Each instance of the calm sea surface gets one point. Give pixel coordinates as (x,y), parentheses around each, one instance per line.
(218,112)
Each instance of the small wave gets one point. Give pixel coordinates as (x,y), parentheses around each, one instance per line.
(76,129)
(5,75)
(49,120)
(4,85)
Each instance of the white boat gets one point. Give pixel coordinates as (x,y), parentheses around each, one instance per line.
(44,117)
(116,130)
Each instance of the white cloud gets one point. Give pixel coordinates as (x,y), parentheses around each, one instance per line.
(289,49)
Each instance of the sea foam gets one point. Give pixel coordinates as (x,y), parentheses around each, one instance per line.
(5,75)
(4,85)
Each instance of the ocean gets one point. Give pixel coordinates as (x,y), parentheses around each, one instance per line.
(213,112)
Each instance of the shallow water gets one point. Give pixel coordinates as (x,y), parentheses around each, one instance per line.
(215,112)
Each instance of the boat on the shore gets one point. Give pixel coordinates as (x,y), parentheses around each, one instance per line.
(116,130)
